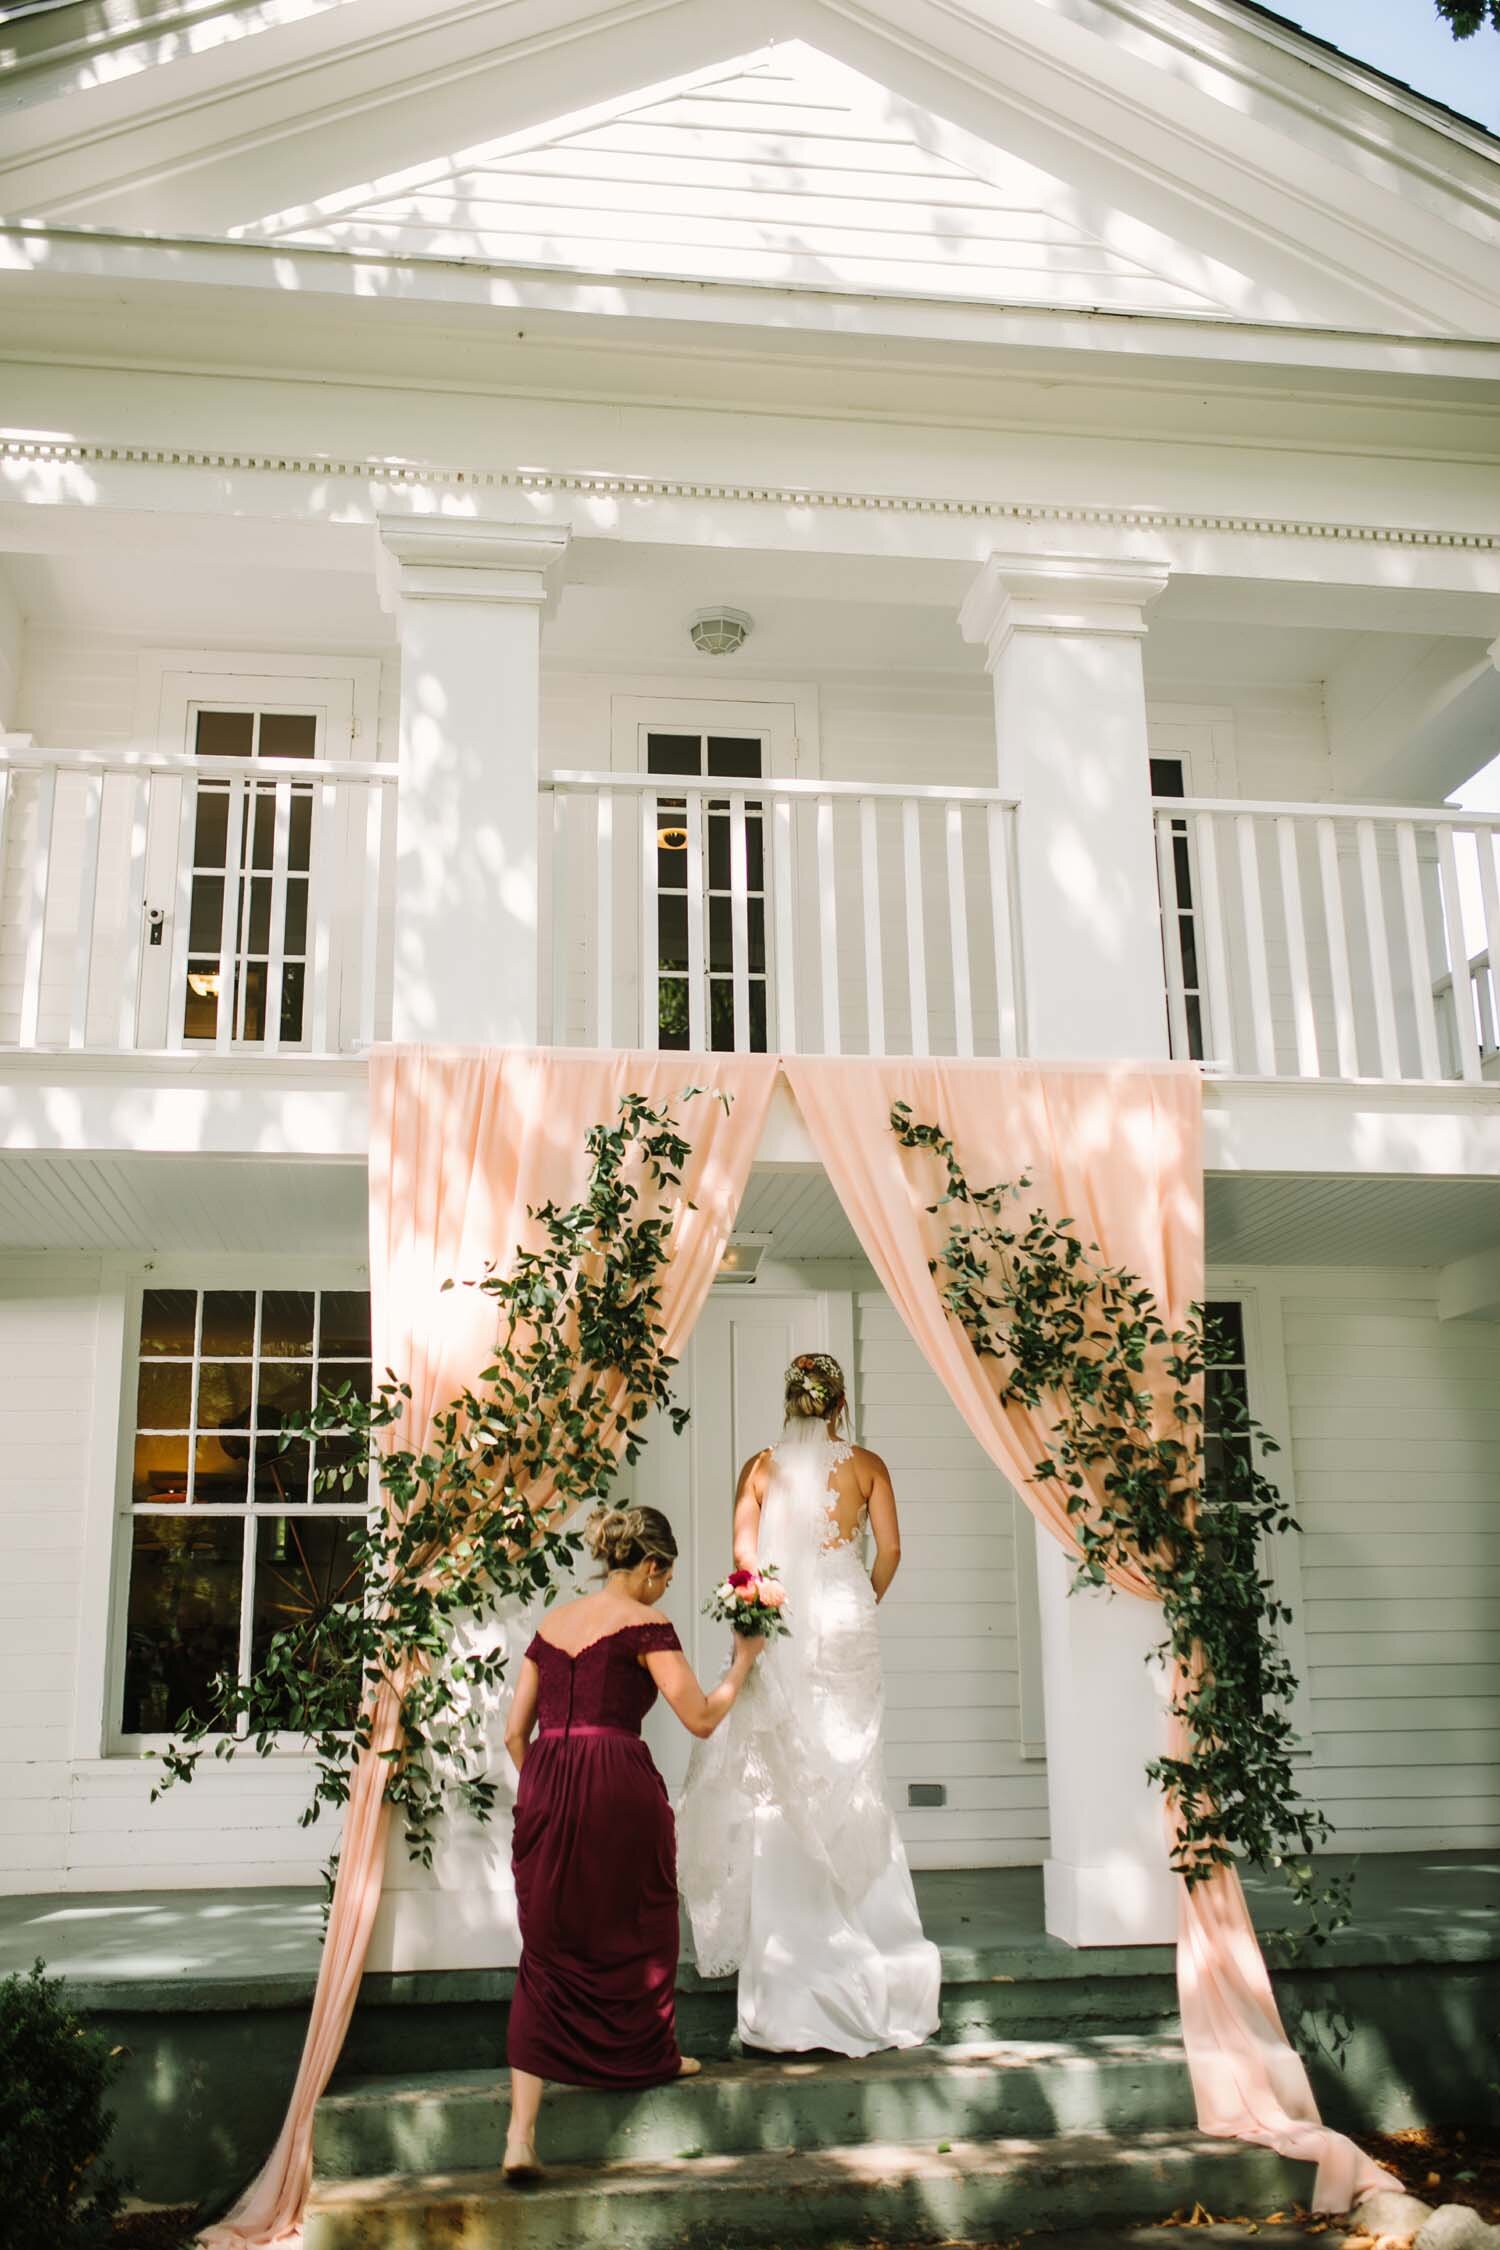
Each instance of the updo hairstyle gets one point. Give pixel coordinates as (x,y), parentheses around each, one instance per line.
(815,1388)
(620,1538)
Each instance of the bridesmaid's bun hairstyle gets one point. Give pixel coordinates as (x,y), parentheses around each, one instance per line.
(622,1538)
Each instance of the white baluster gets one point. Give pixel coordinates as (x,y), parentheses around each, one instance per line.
(1381,982)
(234,906)
(38,883)
(88,897)
(869,884)
(997,824)
(1466,1036)
(828,930)
(958,933)
(324,885)
(1303,1017)
(739,922)
(916,935)
(1253,912)
(138,821)
(1419,958)
(697,916)
(784,900)
(281,831)
(1338,950)
(379,841)
(604,912)
(1486,843)
(187,829)
(1209,922)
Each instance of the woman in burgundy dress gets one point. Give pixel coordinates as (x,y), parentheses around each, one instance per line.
(595,1851)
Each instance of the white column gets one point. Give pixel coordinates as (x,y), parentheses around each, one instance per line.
(468,599)
(1107,1879)
(1062,637)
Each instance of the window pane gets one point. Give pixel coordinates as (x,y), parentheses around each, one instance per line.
(205,917)
(285,1388)
(333,1374)
(1167,778)
(286,1324)
(168,1319)
(293,987)
(224,1395)
(211,826)
(224,734)
(229,1322)
(303,1566)
(288,734)
(1224,1330)
(200,1014)
(334,1458)
(221,1471)
(164,1395)
(672,1012)
(281,1477)
(672,932)
(183,1620)
(294,924)
(161,1470)
(735,756)
(345,1328)
(299,839)
(674,753)
(671,847)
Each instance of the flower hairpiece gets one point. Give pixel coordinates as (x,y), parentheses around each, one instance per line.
(818,1378)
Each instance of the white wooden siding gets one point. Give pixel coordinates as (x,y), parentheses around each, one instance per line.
(1395,1426)
(788,170)
(949,1628)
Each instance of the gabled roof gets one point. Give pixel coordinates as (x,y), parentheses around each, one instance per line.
(1187,160)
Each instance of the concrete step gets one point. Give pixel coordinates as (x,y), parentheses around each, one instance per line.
(455,2120)
(879,2193)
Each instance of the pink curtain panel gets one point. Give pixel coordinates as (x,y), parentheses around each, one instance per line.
(463,1141)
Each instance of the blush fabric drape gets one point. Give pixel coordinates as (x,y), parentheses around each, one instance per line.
(463,1142)
(1118,1150)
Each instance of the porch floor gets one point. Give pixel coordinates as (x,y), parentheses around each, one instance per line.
(149,1951)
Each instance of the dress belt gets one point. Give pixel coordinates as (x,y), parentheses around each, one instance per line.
(548,1734)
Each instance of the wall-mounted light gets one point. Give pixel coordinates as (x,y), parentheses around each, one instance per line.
(741,1259)
(719,632)
(671,839)
(205,983)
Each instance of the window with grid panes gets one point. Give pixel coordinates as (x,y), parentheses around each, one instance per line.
(236,848)
(730,758)
(232,1539)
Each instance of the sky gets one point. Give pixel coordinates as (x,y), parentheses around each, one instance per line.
(1409,39)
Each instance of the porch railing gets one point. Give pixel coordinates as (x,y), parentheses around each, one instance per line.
(1331,941)
(806,916)
(156,903)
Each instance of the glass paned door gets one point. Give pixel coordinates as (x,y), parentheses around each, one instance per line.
(231,864)
(236,845)
(709,902)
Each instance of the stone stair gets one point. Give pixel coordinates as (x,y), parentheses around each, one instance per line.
(961,2141)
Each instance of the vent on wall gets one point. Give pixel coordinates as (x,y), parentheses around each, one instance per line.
(926,1793)
(741,1260)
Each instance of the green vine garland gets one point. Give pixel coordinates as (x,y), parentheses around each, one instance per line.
(1073,1337)
(578,1364)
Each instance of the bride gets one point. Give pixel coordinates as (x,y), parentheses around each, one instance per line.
(789,1860)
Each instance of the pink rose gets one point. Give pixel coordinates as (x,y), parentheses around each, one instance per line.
(773,1595)
(738,1578)
(745,1593)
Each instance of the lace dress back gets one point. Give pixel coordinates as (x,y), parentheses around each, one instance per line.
(604,1685)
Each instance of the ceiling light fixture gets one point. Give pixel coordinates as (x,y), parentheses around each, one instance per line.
(719,632)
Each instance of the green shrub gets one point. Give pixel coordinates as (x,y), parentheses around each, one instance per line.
(56,2193)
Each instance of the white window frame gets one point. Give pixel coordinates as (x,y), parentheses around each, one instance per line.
(108,1537)
(159,701)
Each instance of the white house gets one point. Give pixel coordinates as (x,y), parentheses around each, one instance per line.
(1086,410)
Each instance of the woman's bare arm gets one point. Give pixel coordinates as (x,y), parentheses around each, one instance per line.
(881,1502)
(748,1494)
(678,1682)
(522,1720)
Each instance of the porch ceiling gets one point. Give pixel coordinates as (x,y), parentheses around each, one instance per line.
(175,1203)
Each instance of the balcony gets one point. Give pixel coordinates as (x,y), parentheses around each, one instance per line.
(1332,941)
(158,905)
(810,917)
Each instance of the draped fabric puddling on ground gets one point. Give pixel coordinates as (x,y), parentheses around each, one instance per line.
(463,1141)
(1118,1150)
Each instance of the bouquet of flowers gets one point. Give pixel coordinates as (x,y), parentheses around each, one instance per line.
(750,1601)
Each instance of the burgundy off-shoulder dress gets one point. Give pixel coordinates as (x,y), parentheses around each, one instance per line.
(595,1859)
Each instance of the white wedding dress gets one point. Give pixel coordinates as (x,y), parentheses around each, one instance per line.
(789,1860)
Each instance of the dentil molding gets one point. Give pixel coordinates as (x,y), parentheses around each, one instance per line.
(436,477)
